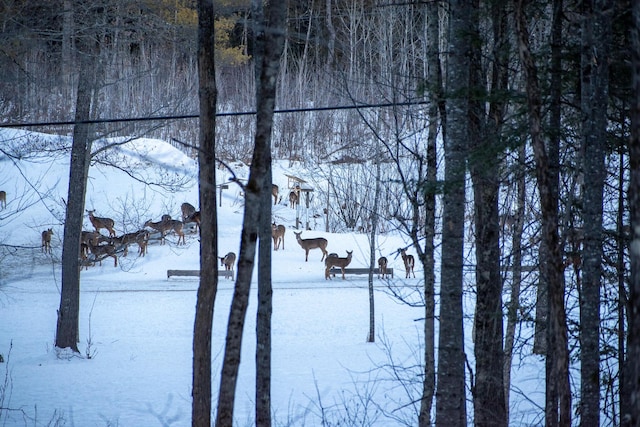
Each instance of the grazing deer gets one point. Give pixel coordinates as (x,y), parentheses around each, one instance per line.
(277,232)
(294,199)
(229,260)
(85,236)
(98,223)
(408,263)
(195,218)
(140,237)
(335,261)
(382,267)
(308,244)
(46,241)
(3,199)
(187,210)
(165,226)
(100,252)
(274,192)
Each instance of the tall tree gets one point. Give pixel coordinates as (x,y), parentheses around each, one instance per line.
(596,29)
(207,289)
(450,394)
(430,189)
(631,406)
(254,212)
(88,39)
(558,392)
(484,160)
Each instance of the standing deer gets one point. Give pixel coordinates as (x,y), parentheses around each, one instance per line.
(85,236)
(277,232)
(98,223)
(187,210)
(3,199)
(46,241)
(140,237)
(274,192)
(408,263)
(382,267)
(165,226)
(308,244)
(293,199)
(100,252)
(195,217)
(334,261)
(229,260)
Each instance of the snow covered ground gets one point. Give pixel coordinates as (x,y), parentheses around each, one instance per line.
(136,325)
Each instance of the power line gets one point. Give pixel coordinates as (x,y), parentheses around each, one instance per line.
(195,116)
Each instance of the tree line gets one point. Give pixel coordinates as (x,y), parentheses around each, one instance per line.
(523,147)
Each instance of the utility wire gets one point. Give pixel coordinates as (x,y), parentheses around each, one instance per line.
(195,116)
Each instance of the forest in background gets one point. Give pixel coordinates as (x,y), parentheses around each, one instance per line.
(346,53)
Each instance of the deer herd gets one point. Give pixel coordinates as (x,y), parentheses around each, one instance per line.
(101,246)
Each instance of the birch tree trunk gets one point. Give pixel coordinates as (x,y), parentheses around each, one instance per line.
(450,395)
(207,289)
(259,183)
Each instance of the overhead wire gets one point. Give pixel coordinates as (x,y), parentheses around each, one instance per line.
(221,114)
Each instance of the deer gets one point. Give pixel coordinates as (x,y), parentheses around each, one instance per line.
(165,226)
(85,236)
(187,211)
(140,237)
(334,261)
(98,223)
(102,251)
(274,192)
(382,267)
(308,244)
(293,199)
(228,261)
(3,199)
(277,233)
(408,263)
(194,217)
(46,240)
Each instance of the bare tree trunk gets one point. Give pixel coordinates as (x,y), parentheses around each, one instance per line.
(434,78)
(258,184)
(516,280)
(207,289)
(488,393)
(631,402)
(68,314)
(558,396)
(450,395)
(89,80)
(594,98)
(372,254)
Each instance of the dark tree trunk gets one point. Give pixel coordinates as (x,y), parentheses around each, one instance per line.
(594,98)
(631,405)
(450,395)
(254,214)
(485,156)
(89,79)
(69,311)
(434,79)
(558,395)
(203,324)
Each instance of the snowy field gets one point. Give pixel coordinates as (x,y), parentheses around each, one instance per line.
(136,325)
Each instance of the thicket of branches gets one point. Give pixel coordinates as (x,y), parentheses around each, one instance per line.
(532,81)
